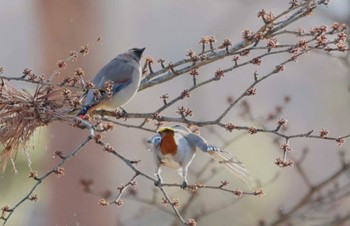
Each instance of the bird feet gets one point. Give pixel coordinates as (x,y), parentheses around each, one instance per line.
(120,113)
(158,182)
(103,112)
(184,185)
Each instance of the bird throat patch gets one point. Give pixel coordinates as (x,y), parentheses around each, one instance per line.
(168,145)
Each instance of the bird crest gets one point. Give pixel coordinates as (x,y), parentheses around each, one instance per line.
(165,129)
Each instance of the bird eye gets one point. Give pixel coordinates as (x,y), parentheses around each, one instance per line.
(155,140)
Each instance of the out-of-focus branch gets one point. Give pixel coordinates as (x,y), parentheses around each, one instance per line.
(58,170)
(307,197)
(44,110)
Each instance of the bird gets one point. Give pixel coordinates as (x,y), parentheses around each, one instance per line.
(175,147)
(115,84)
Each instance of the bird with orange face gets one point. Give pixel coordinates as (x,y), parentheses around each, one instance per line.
(175,147)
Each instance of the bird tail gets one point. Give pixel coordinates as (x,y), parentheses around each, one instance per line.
(87,108)
(232,164)
(83,111)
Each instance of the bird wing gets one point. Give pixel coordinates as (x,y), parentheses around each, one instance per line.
(119,71)
(181,127)
(232,164)
(192,138)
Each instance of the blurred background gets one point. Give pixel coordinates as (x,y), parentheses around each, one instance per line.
(36,34)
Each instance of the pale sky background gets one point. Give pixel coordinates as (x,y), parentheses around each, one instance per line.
(318,86)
